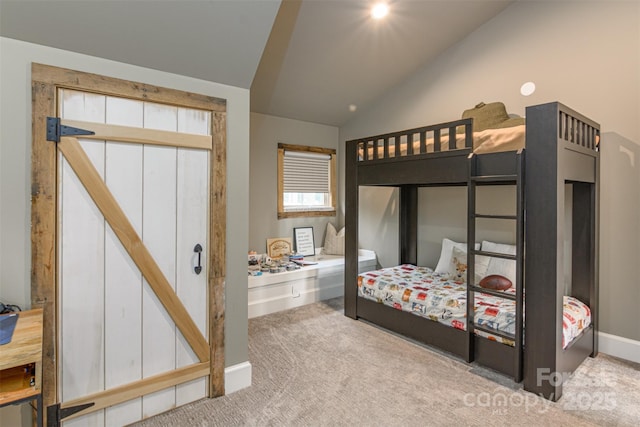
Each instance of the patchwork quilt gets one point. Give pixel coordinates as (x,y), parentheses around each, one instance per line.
(443,299)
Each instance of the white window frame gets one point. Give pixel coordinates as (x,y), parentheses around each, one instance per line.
(308,211)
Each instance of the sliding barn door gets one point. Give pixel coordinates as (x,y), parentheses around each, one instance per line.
(133,215)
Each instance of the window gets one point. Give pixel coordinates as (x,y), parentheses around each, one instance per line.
(306,181)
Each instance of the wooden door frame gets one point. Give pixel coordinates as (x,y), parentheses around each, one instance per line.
(45,82)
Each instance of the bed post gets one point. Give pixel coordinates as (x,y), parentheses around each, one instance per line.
(595,289)
(409,224)
(544,198)
(351,230)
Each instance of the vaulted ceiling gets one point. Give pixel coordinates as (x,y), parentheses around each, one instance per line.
(303,59)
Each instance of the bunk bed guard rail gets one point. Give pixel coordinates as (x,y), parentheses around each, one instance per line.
(432,139)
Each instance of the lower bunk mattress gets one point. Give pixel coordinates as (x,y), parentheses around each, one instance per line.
(438,297)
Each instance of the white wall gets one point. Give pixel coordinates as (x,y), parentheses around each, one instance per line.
(15,172)
(583,54)
(266,132)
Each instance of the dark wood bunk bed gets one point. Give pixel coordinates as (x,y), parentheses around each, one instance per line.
(561,147)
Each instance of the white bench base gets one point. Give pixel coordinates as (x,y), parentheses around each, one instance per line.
(272,292)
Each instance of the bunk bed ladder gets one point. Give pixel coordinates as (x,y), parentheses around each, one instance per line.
(514,175)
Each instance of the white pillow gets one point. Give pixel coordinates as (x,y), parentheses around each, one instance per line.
(501,266)
(445,254)
(333,241)
(458,265)
(482,264)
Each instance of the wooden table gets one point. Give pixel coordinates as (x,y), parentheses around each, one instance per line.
(21,363)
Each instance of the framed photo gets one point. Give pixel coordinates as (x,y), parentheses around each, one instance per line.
(279,246)
(303,240)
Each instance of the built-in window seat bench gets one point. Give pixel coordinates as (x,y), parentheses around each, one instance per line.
(272,292)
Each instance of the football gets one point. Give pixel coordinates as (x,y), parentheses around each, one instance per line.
(495,282)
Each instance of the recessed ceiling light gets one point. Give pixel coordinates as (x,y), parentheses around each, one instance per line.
(353,107)
(379,10)
(528,88)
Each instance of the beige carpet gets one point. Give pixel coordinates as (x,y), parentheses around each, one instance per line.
(312,366)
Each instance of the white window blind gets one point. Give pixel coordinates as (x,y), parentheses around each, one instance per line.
(306,172)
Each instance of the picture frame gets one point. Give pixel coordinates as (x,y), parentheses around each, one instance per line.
(279,246)
(304,242)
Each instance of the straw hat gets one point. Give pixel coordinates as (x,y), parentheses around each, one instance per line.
(491,116)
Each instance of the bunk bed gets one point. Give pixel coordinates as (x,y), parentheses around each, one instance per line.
(558,146)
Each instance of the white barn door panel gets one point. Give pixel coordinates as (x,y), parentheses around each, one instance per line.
(123,280)
(192,179)
(82,268)
(114,329)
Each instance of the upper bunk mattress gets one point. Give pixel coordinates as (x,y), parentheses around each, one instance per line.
(435,296)
(486,141)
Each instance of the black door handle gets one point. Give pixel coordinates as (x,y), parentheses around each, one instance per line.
(198,250)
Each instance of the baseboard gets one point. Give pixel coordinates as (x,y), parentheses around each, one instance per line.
(237,377)
(621,347)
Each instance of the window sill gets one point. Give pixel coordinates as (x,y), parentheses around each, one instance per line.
(300,214)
